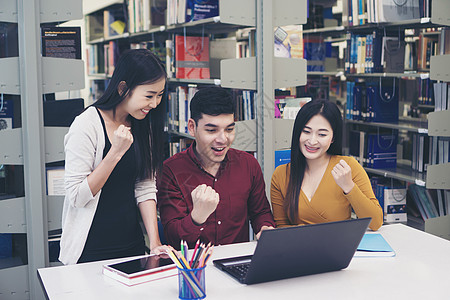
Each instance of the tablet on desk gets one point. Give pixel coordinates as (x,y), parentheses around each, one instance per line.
(139,270)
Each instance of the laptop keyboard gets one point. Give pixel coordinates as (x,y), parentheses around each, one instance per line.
(238,271)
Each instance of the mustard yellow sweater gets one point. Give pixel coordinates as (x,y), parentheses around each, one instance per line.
(329,203)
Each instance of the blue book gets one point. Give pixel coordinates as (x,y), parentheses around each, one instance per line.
(382,150)
(384,102)
(282,157)
(374,244)
(377,47)
(199,10)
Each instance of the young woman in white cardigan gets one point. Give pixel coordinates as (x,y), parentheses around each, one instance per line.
(114,150)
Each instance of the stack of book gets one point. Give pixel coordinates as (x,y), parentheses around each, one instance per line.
(373,101)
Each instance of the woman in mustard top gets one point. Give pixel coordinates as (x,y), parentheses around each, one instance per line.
(319,185)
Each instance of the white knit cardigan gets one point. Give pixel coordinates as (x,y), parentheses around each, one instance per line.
(84,144)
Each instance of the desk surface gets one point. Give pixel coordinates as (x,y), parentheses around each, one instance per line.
(420,270)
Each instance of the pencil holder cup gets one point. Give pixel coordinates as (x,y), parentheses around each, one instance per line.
(191,283)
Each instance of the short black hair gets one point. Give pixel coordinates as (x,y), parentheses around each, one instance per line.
(211,101)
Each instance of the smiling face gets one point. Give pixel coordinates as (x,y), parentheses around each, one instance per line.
(316,138)
(213,136)
(142,99)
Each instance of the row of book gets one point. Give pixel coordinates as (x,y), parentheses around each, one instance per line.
(360,12)
(425,203)
(391,52)
(145,14)
(375,52)
(372,101)
(182,11)
(378,150)
(287,107)
(180,98)
(391,194)
(441,96)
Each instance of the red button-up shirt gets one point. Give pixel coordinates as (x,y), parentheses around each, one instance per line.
(240,185)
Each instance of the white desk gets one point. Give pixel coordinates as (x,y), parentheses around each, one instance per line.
(420,270)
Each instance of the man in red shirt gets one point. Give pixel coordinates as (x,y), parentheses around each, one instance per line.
(210,191)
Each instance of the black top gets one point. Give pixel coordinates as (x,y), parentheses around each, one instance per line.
(115,231)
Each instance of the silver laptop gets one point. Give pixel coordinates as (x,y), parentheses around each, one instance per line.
(296,251)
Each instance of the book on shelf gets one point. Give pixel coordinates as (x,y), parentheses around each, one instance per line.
(157,47)
(139,270)
(94,26)
(282,157)
(314,53)
(288,107)
(315,16)
(55,181)
(6,113)
(382,97)
(393,54)
(288,41)
(373,245)
(9,40)
(192,57)
(199,10)
(391,195)
(114,21)
(360,12)
(145,14)
(427,204)
(62,42)
(182,11)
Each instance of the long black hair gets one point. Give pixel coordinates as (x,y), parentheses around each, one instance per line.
(332,114)
(137,67)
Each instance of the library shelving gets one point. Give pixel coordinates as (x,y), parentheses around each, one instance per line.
(426,27)
(261,74)
(30,216)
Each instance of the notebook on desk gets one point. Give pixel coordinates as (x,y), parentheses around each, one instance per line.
(296,251)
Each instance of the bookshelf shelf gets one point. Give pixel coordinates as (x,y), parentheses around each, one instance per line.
(402,173)
(422,75)
(336,73)
(416,23)
(440,12)
(283,137)
(407,127)
(245,136)
(438,176)
(54,148)
(335,30)
(12,214)
(11,151)
(10,81)
(125,35)
(210,25)
(100,76)
(62,74)
(59,74)
(181,134)
(59,11)
(55,207)
(8,11)
(438,66)
(439,123)
(194,81)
